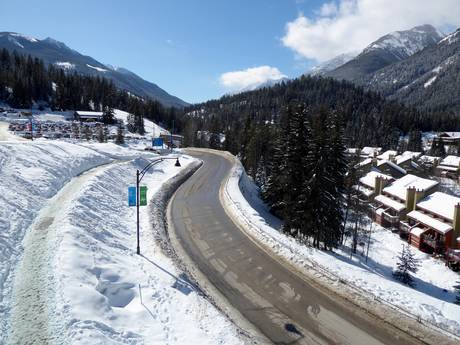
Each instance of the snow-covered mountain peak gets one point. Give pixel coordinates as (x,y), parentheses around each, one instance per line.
(452,38)
(332,64)
(405,43)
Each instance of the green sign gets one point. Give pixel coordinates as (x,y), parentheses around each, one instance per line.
(143,196)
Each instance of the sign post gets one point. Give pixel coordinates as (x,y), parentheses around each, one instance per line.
(137,196)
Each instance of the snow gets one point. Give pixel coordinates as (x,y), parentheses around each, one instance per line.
(369,151)
(28,38)
(65,65)
(417,231)
(369,178)
(89,113)
(431,300)
(430,221)
(99,69)
(430,81)
(388,154)
(390,202)
(393,165)
(77,262)
(440,203)
(453,161)
(151,128)
(399,187)
(446,167)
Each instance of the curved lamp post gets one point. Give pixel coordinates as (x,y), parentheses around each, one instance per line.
(139,176)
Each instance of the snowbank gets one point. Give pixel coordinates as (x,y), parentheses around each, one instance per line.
(31,173)
(110,295)
(431,300)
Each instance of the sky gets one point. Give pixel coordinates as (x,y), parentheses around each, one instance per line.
(201,49)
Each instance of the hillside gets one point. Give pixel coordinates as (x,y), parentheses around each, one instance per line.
(389,49)
(61,56)
(428,80)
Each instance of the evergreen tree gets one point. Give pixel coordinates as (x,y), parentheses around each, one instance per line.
(101,135)
(415,141)
(119,139)
(437,149)
(108,116)
(407,263)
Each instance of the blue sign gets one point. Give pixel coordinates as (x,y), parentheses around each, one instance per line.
(157,142)
(132,196)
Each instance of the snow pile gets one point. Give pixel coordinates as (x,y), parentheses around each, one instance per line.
(31,172)
(431,300)
(65,65)
(99,69)
(110,295)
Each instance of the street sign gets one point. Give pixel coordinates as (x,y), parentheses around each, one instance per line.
(157,142)
(132,196)
(143,196)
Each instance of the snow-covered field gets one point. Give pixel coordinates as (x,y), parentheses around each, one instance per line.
(432,298)
(68,269)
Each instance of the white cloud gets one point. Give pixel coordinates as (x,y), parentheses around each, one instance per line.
(250,78)
(349,25)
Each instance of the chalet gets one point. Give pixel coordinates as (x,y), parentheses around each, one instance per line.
(88,116)
(399,198)
(434,225)
(448,138)
(372,184)
(449,167)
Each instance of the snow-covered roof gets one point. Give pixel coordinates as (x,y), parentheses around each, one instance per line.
(441,204)
(447,167)
(89,113)
(369,178)
(411,154)
(430,221)
(365,162)
(351,150)
(450,134)
(401,159)
(428,159)
(393,165)
(417,231)
(387,154)
(369,151)
(451,161)
(398,188)
(390,202)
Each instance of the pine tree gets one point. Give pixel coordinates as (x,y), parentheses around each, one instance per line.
(87,133)
(414,143)
(101,135)
(407,263)
(119,139)
(108,116)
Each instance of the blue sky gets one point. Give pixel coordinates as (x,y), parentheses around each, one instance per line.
(185,46)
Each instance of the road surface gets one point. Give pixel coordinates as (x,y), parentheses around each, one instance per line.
(284,306)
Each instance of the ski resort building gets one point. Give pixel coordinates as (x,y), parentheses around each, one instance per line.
(433,225)
(400,198)
(448,138)
(372,184)
(88,116)
(449,167)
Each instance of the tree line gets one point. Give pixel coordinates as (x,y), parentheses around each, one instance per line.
(26,81)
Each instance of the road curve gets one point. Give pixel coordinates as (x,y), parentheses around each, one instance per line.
(285,307)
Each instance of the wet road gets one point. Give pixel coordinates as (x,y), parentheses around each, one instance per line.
(281,304)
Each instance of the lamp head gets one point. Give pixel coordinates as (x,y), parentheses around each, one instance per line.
(177,162)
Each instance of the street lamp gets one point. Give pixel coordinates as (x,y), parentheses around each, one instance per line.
(139,176)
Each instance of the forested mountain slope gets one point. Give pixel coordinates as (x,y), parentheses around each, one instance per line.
(429,80)
(61,56)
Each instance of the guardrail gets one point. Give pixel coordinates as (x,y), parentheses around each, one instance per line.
(324,271)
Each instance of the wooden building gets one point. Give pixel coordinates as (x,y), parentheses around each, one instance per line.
(88,116)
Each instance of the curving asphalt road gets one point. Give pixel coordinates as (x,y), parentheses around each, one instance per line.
(283,306)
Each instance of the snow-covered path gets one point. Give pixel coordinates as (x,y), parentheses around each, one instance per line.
(33,289)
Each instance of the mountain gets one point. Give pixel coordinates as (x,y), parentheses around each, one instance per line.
(332,64)
(389,49)
(428,80)
(60,55)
